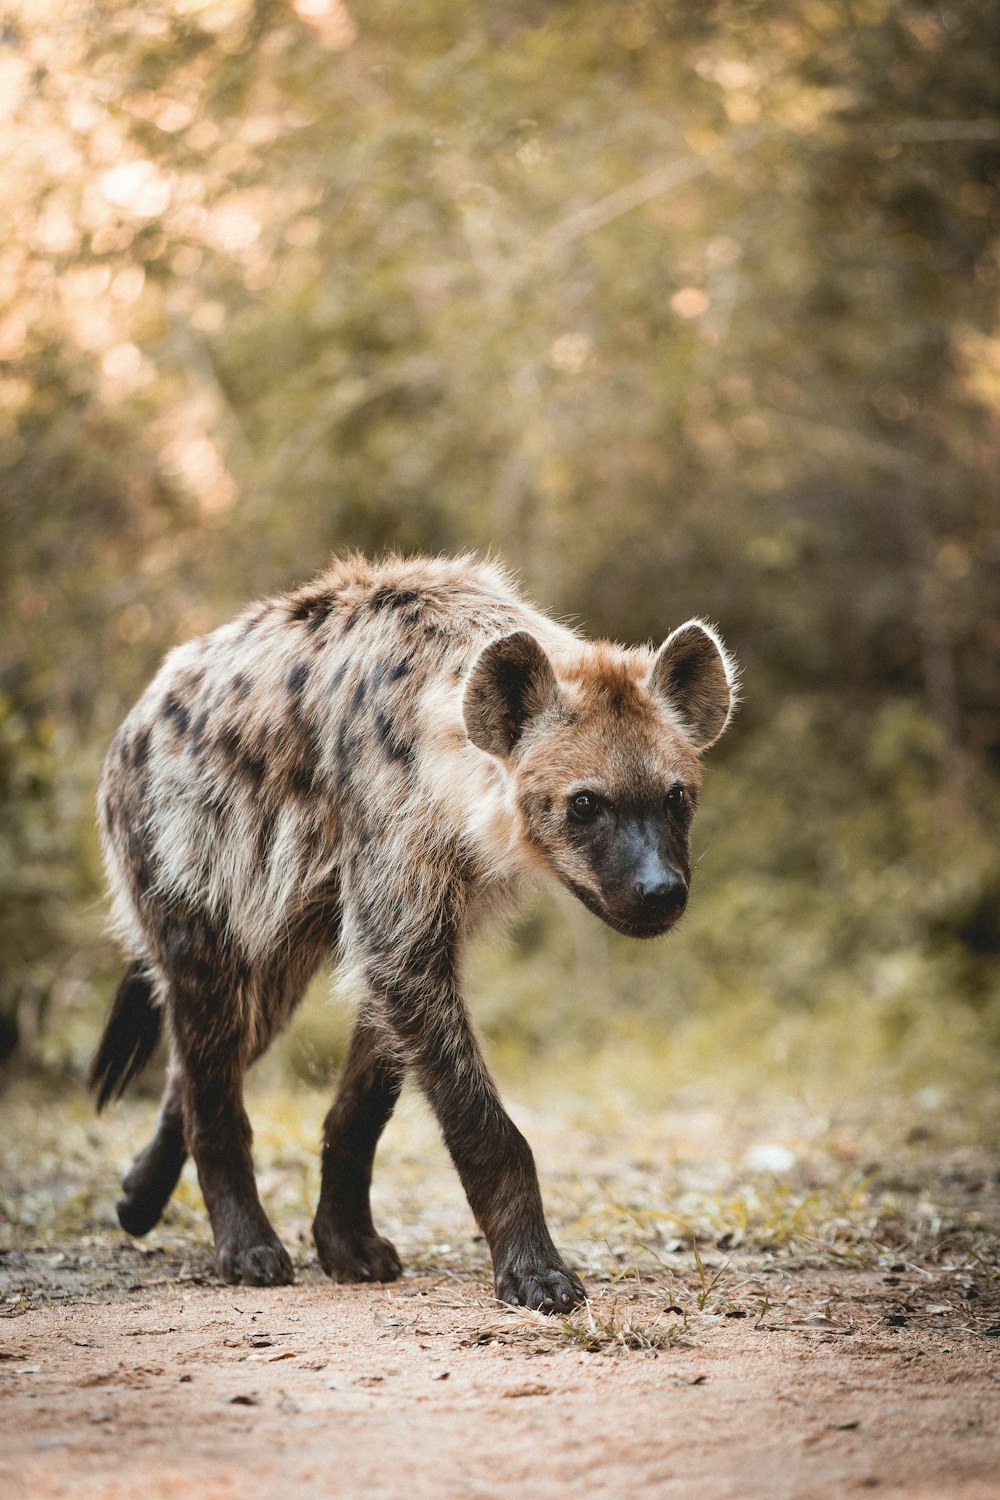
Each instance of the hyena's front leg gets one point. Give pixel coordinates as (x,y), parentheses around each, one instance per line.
(421,1002)
(348,1245)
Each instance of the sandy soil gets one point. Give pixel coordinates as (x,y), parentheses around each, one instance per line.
(784,1305)
(123,1373)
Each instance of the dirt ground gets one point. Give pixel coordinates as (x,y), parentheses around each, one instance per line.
(797,1328)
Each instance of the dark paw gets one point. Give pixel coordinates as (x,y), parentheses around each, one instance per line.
(356,1257)
(264,1264)
(137,1213)
(551,1288)
(146,1190)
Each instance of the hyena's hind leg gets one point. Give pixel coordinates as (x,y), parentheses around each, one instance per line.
(349,1247)
(154,1174)
(152,1177)
(214,1004)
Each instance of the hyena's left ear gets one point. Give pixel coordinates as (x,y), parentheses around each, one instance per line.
(511,683)
(696,677)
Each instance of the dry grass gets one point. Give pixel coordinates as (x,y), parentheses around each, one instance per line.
(596,1328)
(677,1217)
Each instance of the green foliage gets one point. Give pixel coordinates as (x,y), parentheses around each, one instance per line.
(682,309)
(31,883)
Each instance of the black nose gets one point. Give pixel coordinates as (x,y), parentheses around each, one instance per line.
(663,896)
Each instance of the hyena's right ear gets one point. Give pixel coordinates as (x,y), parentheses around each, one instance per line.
(511,683)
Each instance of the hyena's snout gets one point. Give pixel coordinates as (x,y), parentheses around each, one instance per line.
(653,903)
(645,890)
(659,894)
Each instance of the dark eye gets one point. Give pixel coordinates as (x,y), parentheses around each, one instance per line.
(584,806)
(676,797)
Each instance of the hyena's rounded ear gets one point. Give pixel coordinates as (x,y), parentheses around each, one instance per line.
(511,683)
(696,677)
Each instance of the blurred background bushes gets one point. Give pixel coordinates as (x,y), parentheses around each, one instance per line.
(681,309)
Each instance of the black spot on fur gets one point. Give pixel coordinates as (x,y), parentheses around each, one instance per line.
(140,748)
(246,761)
(401,669)
(396,747)
(240,686)
(109,811)
(253,765)
(319,617)
(296,679)
(401,751)
(305,773)
(388,597)
(198,730)
(176,714)
(338,677)
(380,599)
(141,867)
(138,865)
(345,761)
(312,609)
(358,697)
(302,780)
(351,621)
(230,742)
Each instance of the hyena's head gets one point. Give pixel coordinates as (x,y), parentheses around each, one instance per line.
(605,755)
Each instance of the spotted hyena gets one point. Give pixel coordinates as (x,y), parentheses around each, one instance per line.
(368,766)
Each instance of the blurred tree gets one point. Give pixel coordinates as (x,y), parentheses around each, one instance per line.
(682,309)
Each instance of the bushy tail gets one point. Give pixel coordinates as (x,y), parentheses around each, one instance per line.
(129,1037)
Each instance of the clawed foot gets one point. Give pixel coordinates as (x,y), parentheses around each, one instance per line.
(147,1186)
(356,1256)
(548,1288)
(266,1263)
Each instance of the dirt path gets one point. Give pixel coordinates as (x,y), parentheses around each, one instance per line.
(773,1316)
(796,1386)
